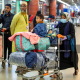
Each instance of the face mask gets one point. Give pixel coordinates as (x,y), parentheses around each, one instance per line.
(63,20)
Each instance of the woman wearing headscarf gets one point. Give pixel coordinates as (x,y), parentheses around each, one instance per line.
(69,58)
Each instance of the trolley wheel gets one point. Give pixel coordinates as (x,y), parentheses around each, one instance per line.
(41,76)
(41,79)
(24,79)
(3,64)
(28,79)
(60,76)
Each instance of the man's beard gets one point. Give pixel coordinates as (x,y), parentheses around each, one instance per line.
(23,11)
(6,13)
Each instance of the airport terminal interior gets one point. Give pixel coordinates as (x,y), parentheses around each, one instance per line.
(22,19)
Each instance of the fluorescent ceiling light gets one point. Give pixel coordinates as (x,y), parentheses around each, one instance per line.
(63,2)
(72,0)
(76,6)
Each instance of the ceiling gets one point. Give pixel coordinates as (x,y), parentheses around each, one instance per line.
(71,2)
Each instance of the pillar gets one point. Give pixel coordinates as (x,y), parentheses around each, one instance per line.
(17,6)
(43,9)
(52,7)
(33,7)
(3,4)
(61,7)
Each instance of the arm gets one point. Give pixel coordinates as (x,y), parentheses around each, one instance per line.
(1,18)
(36,30)
(13,24)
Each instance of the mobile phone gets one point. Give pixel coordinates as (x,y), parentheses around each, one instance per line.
(3,11)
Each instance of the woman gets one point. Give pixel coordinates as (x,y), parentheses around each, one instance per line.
(69,58)
(34,20)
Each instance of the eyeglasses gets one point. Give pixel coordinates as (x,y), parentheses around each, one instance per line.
(23,6)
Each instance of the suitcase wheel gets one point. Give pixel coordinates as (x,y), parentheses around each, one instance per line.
(3,64)
(60,76)
(27,79)
(24,79)
(41,79)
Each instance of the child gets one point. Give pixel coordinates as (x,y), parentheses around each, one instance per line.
(40,29)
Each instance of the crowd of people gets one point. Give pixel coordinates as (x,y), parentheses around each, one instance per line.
(19,23)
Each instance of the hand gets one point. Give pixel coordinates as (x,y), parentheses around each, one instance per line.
(5,29)
(64,36)
(3,11)
(32,30)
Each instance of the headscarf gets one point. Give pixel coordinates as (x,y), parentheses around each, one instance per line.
(66,15)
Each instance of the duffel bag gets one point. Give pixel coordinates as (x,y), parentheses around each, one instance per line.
(43,44)
(23,44)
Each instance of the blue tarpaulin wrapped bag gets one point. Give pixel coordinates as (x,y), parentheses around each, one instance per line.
(34,60)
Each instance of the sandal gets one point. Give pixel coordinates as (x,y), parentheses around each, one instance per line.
(76,72)
(54,76)
(22,72)
(18,69)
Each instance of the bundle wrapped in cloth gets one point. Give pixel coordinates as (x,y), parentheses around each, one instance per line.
(43,44)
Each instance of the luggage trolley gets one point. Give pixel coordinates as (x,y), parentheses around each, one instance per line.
(2,41)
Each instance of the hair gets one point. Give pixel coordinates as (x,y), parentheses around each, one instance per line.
(63,14)
(8,5)
(38,12)
(49,30)
(40,16)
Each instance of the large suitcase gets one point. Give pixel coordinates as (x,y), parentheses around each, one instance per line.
(0,46)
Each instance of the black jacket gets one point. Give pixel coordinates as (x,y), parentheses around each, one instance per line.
(6,21)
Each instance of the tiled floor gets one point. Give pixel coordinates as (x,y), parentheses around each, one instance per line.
(9,73)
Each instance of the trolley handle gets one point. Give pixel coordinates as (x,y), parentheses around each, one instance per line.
(2,30)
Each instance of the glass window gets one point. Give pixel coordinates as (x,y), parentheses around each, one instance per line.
(13,5)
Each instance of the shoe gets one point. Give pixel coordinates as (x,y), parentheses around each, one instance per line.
(76,72)
(8,65)
(54,76)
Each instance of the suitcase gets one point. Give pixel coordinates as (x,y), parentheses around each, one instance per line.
(0,46)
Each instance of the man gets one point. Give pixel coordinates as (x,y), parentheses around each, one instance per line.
(19,22)
(5,19)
